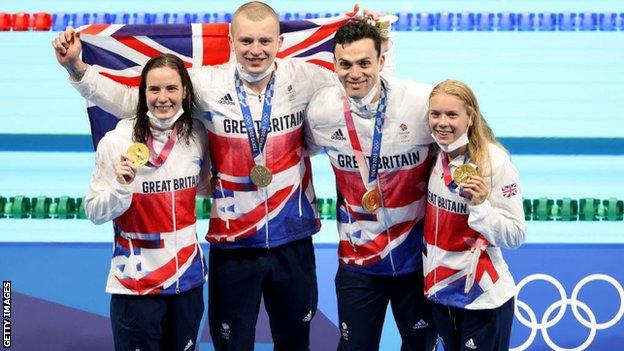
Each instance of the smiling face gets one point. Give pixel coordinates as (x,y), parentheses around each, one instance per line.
(255,42)
(358,65)
(448,118)
(164,92)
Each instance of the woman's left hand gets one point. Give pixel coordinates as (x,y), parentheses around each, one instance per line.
(477,188)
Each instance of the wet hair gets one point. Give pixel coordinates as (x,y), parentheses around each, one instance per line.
(141,129)
(255,11)
(480,134)
(358,29)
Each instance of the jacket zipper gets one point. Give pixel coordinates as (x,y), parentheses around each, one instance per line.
(383,208)
(265,192)
(434,253)
(175,241)
(435,244)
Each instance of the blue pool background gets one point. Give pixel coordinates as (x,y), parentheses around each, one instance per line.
(536,85)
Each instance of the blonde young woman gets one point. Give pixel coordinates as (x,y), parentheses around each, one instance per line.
(474,209)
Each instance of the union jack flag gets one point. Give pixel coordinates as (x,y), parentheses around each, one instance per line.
(120,51)
(510,190)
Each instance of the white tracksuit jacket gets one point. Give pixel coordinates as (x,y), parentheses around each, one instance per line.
(155,248)
(455,231)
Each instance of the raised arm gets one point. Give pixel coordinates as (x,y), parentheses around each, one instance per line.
(115,98)
(67,48)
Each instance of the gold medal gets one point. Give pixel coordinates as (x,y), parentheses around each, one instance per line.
(261,176)
(371,200)
(463,172)
(138,154)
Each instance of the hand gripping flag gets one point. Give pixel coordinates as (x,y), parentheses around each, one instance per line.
(119,52)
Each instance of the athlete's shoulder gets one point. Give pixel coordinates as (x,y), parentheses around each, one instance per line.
(498,153)
(215,75)
(294,64)
(325,106)
(331,93)
(408,101)
(115,138)
(302,72)
(413,90)
(328,98)
(123,129)
(500,159)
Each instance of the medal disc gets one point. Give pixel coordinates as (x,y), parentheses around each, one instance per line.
(139,154)
(462,173)
(371,200)
(261,176)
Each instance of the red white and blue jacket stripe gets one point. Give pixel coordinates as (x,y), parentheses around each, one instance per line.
(155,248)
(457,232)
(388,241)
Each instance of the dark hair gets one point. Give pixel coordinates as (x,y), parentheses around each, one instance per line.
(358,29)
(185,122)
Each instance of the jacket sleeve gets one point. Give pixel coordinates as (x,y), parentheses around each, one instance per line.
(115,98)
(319,77)
(311,137)
(106,198)
(203,82)
(500,218)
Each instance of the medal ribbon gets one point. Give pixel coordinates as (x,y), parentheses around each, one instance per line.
(256,143)
(377,136)
(164,153)
(448,179)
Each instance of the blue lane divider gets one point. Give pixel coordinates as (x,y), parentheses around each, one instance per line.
(444,21)
(485,21)
(181,18)
(465,21)
(101,18)
(121,18)
(60,21)
(408,21)
(425,21)
(515,145)
(547,21)
(506,21)
(567,21)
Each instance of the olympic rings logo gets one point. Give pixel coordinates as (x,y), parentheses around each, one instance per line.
(562,304)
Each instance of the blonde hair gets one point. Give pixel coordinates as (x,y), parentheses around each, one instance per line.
(480,134)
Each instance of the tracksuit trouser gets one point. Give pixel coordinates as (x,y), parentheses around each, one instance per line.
(284,276)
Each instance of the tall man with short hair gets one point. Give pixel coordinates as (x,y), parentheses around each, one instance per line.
(374,130)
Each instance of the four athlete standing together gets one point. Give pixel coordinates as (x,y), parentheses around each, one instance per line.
(380,134)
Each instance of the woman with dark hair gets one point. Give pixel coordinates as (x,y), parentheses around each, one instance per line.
(474,209)
(147,173)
